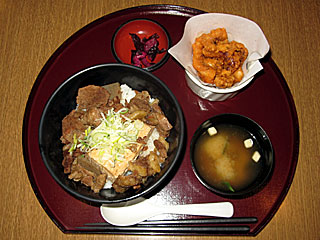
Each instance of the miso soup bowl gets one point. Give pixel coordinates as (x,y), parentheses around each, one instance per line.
(255,132)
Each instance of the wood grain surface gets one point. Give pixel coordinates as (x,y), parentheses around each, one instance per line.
(31,30)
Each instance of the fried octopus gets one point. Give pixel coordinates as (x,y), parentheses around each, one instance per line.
(217,60)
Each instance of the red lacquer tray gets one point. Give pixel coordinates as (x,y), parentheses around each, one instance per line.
(267,100)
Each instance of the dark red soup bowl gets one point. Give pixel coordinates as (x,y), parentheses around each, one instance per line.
(137,51)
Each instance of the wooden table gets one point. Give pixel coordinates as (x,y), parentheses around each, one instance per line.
(32,30)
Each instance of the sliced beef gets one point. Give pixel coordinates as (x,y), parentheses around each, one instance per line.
(67,162)
(89,174)
(72,125)
(92,117)
(153,164)
(151,113)
(140,102)
(123,183)
(161,148)
(163,122)
(152,119)
(92,96)
(137,104)
(139,171)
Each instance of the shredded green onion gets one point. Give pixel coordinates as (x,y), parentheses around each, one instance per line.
(74,144)
(228,185)
(112,137)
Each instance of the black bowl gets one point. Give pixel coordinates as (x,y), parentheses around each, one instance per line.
(63,101)
(255,132)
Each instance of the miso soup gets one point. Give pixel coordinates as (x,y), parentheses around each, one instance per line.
(224,161)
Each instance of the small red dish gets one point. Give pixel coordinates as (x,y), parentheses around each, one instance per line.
(122,43)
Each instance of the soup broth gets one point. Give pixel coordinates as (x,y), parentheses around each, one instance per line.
(223,160)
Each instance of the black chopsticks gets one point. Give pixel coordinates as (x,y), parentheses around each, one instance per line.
(234,220)
(169,230)
(179,226)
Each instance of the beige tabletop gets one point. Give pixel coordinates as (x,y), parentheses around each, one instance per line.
(31,30)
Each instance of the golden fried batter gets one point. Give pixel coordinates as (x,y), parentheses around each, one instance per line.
(217,60)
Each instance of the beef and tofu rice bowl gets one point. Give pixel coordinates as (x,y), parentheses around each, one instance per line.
(115,138)
(111,133)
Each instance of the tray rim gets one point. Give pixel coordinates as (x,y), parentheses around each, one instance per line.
(161,8)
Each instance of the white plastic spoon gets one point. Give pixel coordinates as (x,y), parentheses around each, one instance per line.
(138,212)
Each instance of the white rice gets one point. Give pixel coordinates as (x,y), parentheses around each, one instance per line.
(154,136)
(108,184)
(126,94)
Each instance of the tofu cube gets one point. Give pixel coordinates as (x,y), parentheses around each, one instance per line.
(212,131)
(256,156)
(248,143)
